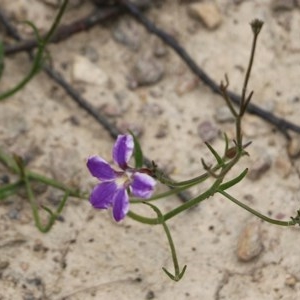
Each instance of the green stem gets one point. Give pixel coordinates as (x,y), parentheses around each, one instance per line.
(53,216)
(187,205)
(244,103)
(164,194)
(248,72)
(178,275)
(256,213)
(33,204)
(56,184)
(9,189)
(39,56)
(174,212)
(31,198)
(192,181)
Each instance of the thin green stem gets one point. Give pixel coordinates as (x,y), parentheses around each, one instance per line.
(164,194)
(9,162)
(39,56)
(53,216)
(33,204)
(56,184)
(31,198)
(174,212)
(256,213)
(187,205)
(9,189)
(256,26)
(178,274)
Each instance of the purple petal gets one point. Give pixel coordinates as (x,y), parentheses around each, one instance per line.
(123,149)
(142,185)
(121,204)
(103,194)
(100,168)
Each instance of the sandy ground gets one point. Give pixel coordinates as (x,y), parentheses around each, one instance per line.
(88,256)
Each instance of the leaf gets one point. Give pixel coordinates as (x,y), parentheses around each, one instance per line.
(234,181)
(138,154)
(9,189)
(214,153)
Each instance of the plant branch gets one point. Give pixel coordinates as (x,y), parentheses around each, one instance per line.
(281,124)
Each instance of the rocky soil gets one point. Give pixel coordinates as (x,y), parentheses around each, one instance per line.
(139,83)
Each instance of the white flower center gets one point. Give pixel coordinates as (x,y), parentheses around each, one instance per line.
(124,179)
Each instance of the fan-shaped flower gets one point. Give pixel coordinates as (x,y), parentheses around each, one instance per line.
(113,189)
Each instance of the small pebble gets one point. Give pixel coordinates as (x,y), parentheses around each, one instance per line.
(124,126)
(250,242)
(290,281)
(151,110)
(111,110)
(223,114)
(283,166)
(186,85)
(293,147)
(207,131)
(147,71)
(85,71)
(128,33)
(259,166)
(91,53)
(207,12)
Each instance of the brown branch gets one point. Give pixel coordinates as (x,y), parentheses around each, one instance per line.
(66,31)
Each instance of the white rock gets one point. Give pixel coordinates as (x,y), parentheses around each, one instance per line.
(147,70)
(283,166)
(259,166)
(294,147)
(223,114)
(250,242)
(85,71)
(207,131)
(207,12)
(128,33)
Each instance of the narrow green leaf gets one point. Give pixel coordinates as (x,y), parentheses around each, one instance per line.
(138,154)
(178,274)
(214,153)
(169,274)
(233,182)
(9,189)
(182,272)
(35,30)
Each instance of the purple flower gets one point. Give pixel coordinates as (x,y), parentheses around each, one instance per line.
(114,186)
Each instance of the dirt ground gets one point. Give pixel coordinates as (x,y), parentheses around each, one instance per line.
(230,254)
